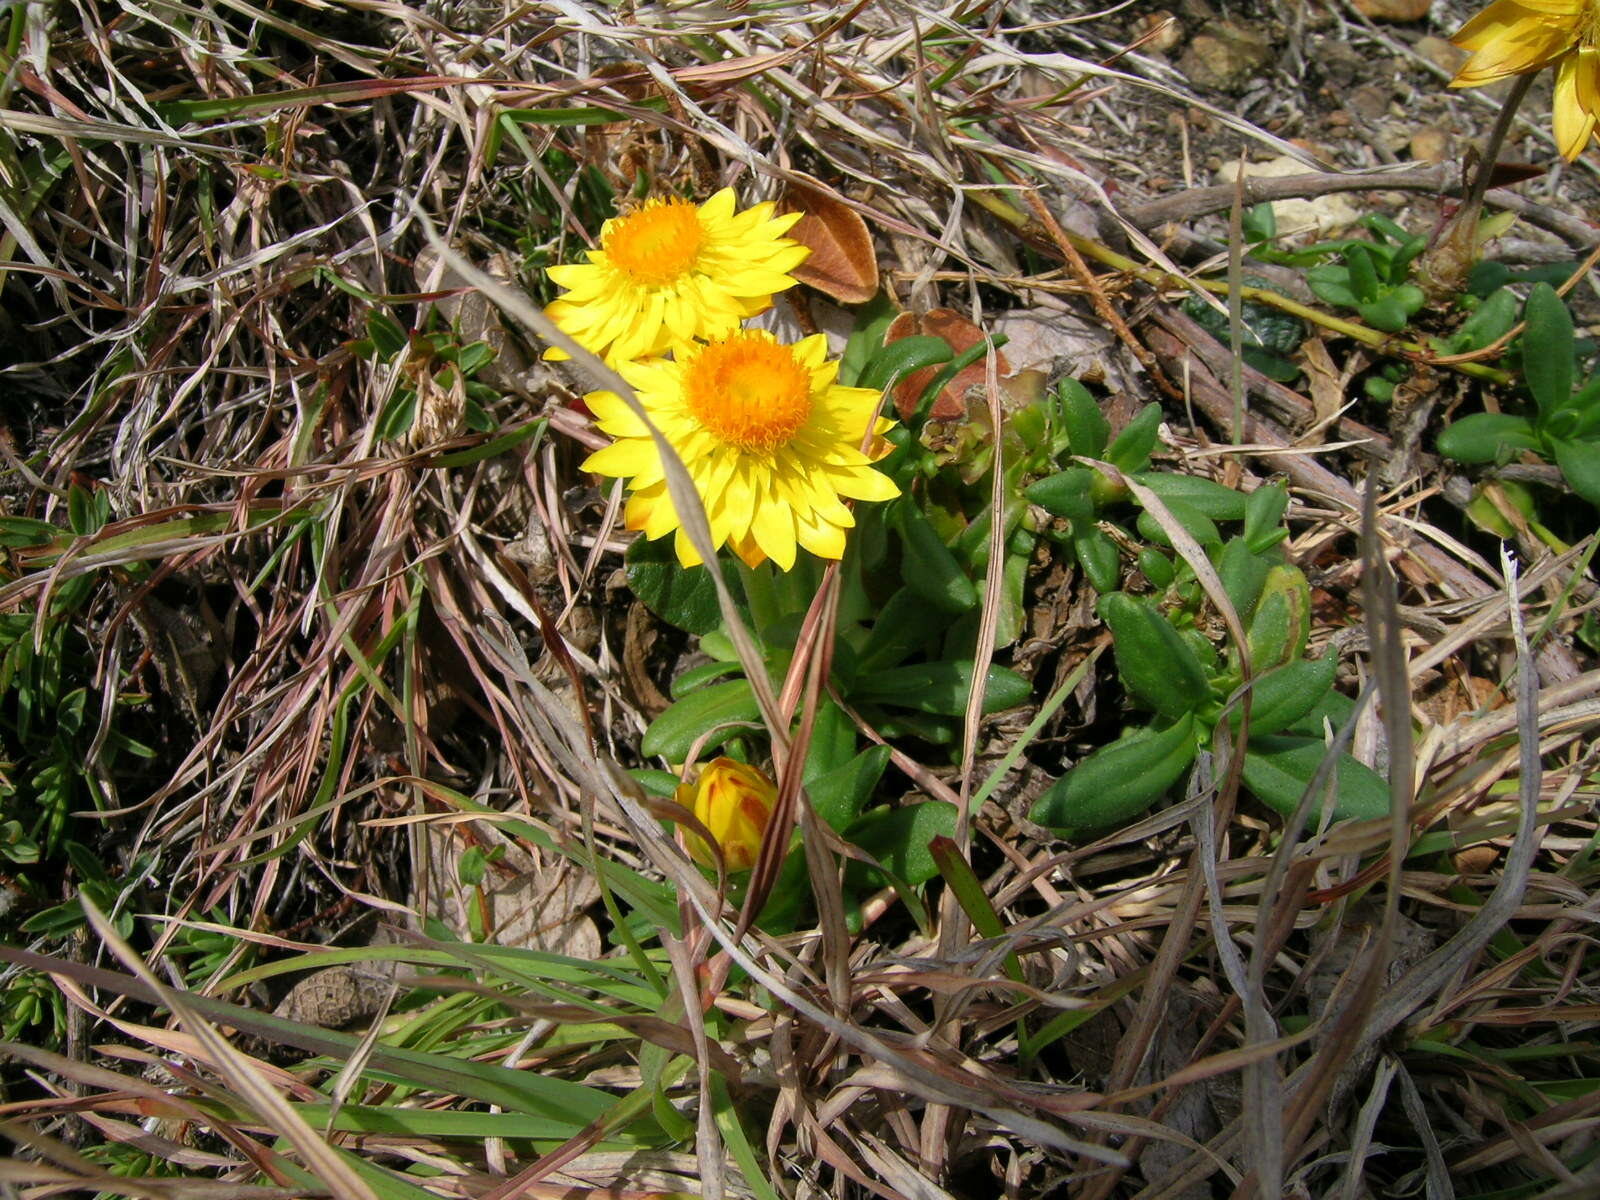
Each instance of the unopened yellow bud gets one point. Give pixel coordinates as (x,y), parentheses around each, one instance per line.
(734,802)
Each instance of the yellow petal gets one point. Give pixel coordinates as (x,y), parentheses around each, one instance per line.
(821,538)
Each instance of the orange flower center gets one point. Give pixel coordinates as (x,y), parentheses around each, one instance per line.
(749,391)
(657,243)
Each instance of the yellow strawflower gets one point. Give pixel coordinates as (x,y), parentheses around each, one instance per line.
(1513,37)
(668,272)
(735,803)
(772,443)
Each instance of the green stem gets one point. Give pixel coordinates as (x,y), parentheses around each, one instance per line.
(1491,152)
(761,594)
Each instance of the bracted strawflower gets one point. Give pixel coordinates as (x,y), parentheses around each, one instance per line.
(668,273)
(1515,37)
(735,803)
(772,444)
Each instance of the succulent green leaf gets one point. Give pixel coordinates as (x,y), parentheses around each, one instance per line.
(1547,348)
(1285,694)
(927,564)
(1491,322)
(1200,494)
(899,838)
(719,706)
(1098,556)
(1485,437)
(1580,465)
(1065,494)
(1243,573)
(906,624)
(941,688)
(1155,663)
(1116,783)
(1282,620)
(1363,274)
(1278,770)
(1086,426)
(1263,510)
(1198,526)
(1331,285)
(898,359)
(1387,313)
(1131,451)
(839,795)
(685,597)
(1157,568)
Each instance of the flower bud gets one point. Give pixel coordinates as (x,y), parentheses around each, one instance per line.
(734,802)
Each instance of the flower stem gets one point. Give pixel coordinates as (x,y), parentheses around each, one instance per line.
(1451,257)
(761,594)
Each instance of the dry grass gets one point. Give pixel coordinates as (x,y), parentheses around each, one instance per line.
(354,661)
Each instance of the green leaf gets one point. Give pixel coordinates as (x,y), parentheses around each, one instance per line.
(1491,322)
(941,688)
(1486,277)
(1116,783)
(839,796)
(1195,523)
(84,511)
(1363,274)
(967,888)
(1065,494)
(905,625)
(1331,285)
(866,339)
(833,742)
(1286,694)
(1131,451)
(695,677)
(1547,348)
(928,566)
(1243,573)
(1580,465)
(1157,568)
(1260,223)
(1086,426)
(386,334)
(900,358)
(1263,509)
(685,597)
(474,356)
(899,838)
(1485,437)
(1386,313)
(1098,556)
(656,782)
(474,416)
(720,706)
(1154,662)
(398,415)
(1278,770)
(1273,366)
(1282,620)
(1202,495)
(17,533)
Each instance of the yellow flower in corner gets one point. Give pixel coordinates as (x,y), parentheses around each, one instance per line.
(735,803)
(772,443)
(669,272)
(1513,37)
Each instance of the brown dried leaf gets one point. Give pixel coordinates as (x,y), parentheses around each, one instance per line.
(843,264)
(962,334)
